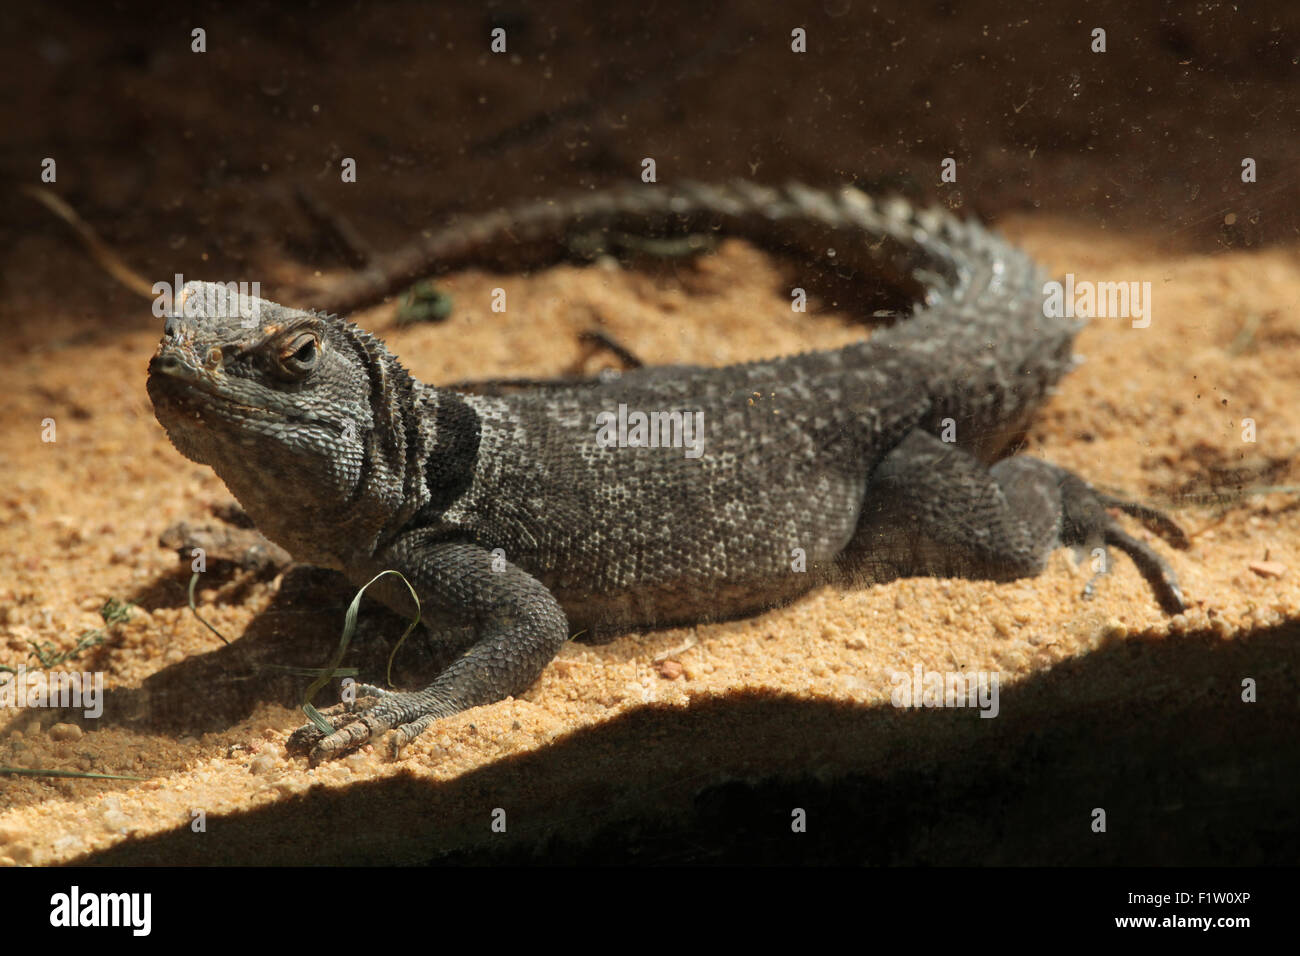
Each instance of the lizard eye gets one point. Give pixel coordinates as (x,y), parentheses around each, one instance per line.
(301,355)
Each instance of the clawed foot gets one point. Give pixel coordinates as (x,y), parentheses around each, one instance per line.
(1089,525)
(356,723)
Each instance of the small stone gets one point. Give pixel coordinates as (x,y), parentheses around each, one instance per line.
(261,763)
(1268,569)
(62,732)
(1115,629)
(670,669)
(70,841)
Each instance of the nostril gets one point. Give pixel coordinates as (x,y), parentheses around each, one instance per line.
(168,363)
(172,327)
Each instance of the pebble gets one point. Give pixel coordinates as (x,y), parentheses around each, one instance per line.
(1268,569)
(62,732)
(670,670)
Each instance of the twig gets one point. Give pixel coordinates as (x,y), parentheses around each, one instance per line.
(108,260)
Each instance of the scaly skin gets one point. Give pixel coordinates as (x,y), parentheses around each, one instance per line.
(506,512)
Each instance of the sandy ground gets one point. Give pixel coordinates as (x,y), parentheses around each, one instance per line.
(1117,166)
(1154,412)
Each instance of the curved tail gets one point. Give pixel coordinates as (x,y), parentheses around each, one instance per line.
(927,254)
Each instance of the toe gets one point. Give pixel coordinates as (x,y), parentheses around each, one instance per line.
(362,729)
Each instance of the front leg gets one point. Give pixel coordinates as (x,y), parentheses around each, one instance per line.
(519,626)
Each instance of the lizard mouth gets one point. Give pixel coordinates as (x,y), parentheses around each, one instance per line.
(176,385)
(176,389)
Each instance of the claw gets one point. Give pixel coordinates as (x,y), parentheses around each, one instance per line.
(361,730)
(1152,519)
(1090,525)
(409,731)
(310,737)
(355,724)
(1161,577)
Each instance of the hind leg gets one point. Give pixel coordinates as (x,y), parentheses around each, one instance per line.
(931,508)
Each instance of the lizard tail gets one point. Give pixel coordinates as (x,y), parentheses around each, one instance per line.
(928,255)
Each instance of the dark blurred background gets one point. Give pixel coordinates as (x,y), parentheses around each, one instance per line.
(197,163)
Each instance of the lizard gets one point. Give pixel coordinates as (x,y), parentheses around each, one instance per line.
(517,522)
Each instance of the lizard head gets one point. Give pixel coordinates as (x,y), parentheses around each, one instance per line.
(276,400)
